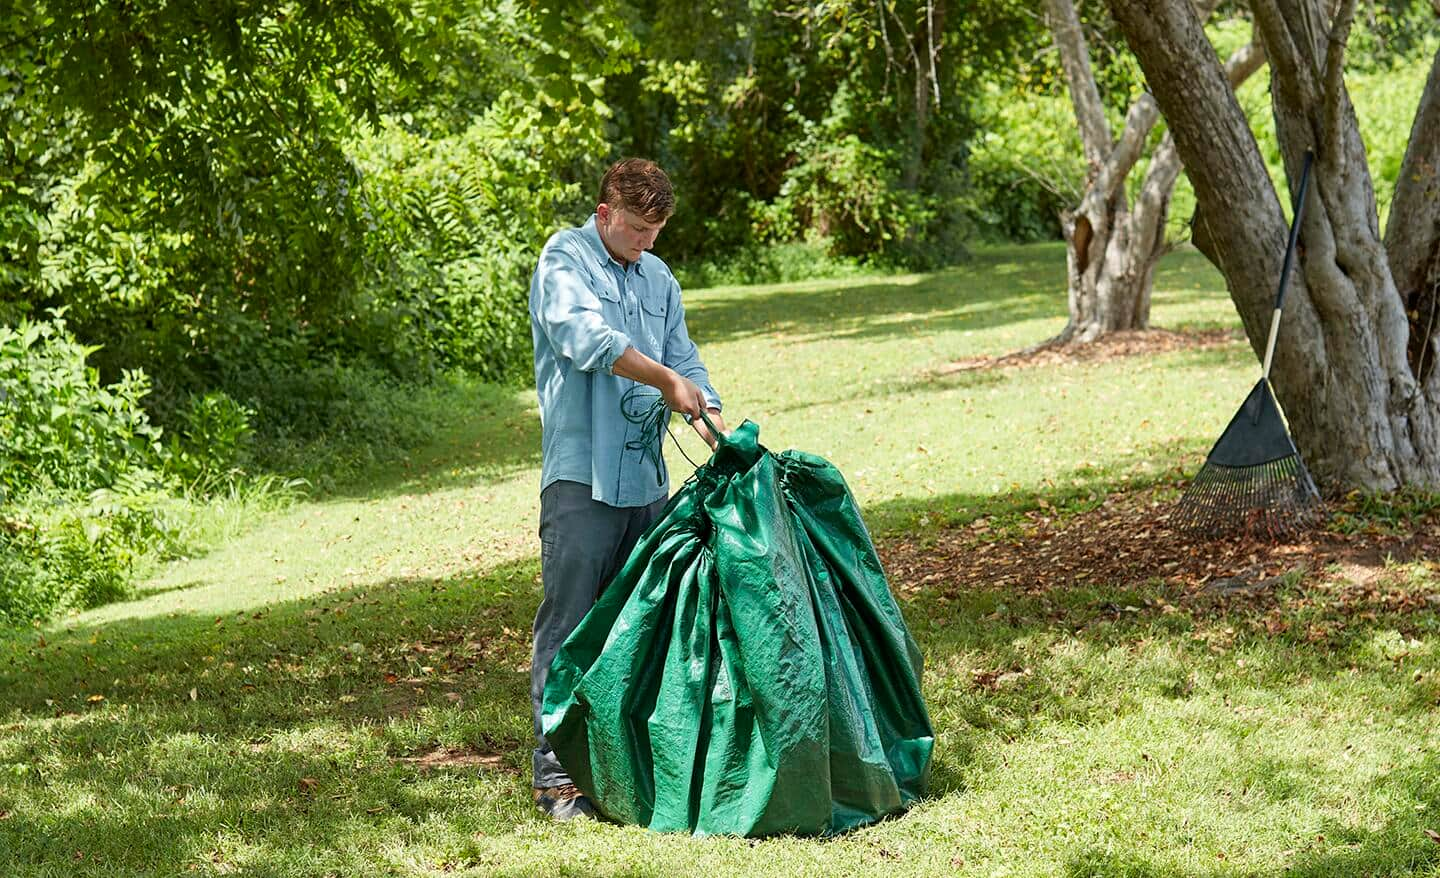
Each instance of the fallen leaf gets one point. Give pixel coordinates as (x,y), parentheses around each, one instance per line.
(445,757)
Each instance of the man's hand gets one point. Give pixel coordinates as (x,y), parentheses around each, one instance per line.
(683,395)
(704,431)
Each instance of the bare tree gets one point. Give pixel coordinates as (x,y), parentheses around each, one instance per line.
(1355,367)
(1113,246)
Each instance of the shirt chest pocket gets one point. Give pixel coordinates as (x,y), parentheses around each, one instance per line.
(608,291)
(654,308)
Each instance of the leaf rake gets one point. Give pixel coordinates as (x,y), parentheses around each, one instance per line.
(1253,481)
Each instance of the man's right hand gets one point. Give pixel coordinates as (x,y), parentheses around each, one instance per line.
(683,395)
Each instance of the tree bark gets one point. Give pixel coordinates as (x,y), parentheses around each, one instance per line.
(1343,373)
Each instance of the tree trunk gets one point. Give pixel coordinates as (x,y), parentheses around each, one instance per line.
(1111,248)
(1361,413)
(925,52)
(1109,269)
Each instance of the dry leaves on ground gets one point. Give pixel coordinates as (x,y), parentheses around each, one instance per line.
(1127,540)
(451,757)
(1113,346)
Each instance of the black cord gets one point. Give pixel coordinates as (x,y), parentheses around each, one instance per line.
(640,405)
(681,447)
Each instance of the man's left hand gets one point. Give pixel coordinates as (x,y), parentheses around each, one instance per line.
(704,431)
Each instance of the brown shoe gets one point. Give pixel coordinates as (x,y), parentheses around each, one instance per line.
(563,802)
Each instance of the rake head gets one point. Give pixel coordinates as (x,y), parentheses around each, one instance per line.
(1253,481)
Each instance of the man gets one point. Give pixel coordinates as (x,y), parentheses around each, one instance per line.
(605,315)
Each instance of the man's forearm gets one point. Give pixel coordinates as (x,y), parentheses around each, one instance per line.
(637,367)
(681,394)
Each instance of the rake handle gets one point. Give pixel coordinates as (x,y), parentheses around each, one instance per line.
(1289,261)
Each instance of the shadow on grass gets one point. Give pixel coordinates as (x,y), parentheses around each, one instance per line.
(139,743)
(994,291)
(999,286)
(1075,490)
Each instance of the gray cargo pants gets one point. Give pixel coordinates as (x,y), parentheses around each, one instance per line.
(583,543)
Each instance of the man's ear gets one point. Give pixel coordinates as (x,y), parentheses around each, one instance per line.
(602,210)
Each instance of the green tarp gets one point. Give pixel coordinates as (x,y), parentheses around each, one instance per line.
(748,671)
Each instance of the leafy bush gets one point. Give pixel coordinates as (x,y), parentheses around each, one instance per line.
(60,428)
(1025,166)
(44,572)
(84,476)
(213,440)
(84,553)
(463,220)
(768,264)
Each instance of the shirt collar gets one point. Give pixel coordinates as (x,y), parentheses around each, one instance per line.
(592,236)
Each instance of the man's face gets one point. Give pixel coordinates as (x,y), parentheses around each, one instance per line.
(626,234)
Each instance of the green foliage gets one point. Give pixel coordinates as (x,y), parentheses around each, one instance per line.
(214,438)
(802,124)
(192,190)
(463,237)
(328,422)
(85,477)
(1026,166)
(1387,32)
(84,552)
(61,429)
(848,192)
(43,572)
(770,263)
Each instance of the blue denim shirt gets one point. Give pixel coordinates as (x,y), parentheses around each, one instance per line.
(585,310)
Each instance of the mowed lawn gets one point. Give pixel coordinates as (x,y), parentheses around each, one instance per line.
(342,691)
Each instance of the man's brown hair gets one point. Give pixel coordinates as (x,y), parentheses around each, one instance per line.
(639,186)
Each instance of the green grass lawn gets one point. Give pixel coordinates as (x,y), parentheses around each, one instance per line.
(341,690)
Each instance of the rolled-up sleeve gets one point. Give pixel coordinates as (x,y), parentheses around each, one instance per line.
(681,354)
(568,312)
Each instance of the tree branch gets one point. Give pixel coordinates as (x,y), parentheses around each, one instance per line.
(1246,60)
(1142,117)
(1335,75)
(1084,93)
(1414,224)
(1285,56)
(1240,225)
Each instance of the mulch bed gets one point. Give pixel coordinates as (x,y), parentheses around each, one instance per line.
(1128,540)
(1113,346)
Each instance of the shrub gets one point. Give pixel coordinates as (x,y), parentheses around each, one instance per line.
(60,428)
(212,442)
(81,475)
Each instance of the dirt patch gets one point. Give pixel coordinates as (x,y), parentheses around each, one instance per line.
(1113,346)
(1128,540)
(449,757)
